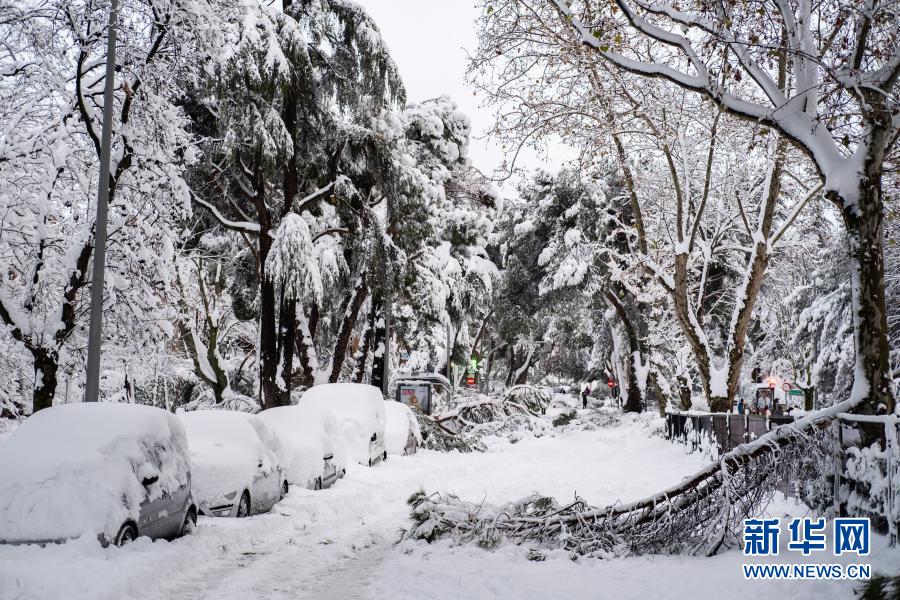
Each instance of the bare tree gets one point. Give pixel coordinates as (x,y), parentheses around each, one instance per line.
(838,105)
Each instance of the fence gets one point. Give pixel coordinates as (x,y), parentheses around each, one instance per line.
(726,430)
(867,470)
(865,458)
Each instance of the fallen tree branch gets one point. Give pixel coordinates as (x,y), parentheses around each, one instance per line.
(702,513)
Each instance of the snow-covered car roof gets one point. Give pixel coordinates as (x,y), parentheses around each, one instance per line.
(307,433)
(359,408)
(436,378)
(399,422)
(356,401)
(226,449)
(77,468)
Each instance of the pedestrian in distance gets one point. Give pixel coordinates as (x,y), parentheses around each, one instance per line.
(584,396)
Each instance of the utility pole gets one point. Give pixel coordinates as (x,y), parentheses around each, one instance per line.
(95,332)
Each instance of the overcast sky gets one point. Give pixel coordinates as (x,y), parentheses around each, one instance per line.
(428,40)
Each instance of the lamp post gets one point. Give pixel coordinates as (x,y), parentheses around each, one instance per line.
(95,331)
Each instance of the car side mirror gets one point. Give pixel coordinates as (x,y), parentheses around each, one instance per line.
(148,481)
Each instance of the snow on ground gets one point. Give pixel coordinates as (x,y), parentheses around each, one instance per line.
(341,543)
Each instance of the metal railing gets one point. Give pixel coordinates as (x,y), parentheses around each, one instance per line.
(726,430)
(867,470)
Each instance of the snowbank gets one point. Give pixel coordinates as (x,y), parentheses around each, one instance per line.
(307,433)
(226,451)
(76,469)
(399,422)
(359,409)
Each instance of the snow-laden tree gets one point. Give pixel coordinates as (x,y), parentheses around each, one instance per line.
(539,303)
(51,101)
(217,343)
(439,217)
(823,76)
(704,213)
(287,113)
(806,319)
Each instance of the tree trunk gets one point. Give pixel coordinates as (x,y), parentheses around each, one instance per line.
(864,221)
(510,364)
(688,321)
(354,304)
(522,372)
(46,363)
(655,393)
(379,356)
(756,272)
(220,383)
(268,339)
(633,402)
(684,392)
(363,353)
(287,340)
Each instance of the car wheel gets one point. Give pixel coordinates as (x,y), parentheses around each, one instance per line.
(370,462)
(127,534)
(318,484)
(384,456)
(244,506)
(284,489)
(190,523)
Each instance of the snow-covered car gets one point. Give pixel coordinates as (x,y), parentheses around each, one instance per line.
(402,434)
(312,450)
(359,410)
(234,463)
(115,471)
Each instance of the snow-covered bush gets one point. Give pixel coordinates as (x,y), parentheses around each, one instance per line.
(535,519)
(534,398)
(490,416)
(435,437)
(563,419)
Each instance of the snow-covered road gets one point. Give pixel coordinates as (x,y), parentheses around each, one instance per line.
(341,543)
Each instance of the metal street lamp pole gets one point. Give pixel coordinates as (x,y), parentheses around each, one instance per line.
(95,332)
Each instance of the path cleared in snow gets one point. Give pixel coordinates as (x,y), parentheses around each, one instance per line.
(341,543)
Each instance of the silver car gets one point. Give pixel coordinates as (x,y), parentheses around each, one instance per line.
(117,471)
(310,444)
(236,471)
(359,409)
